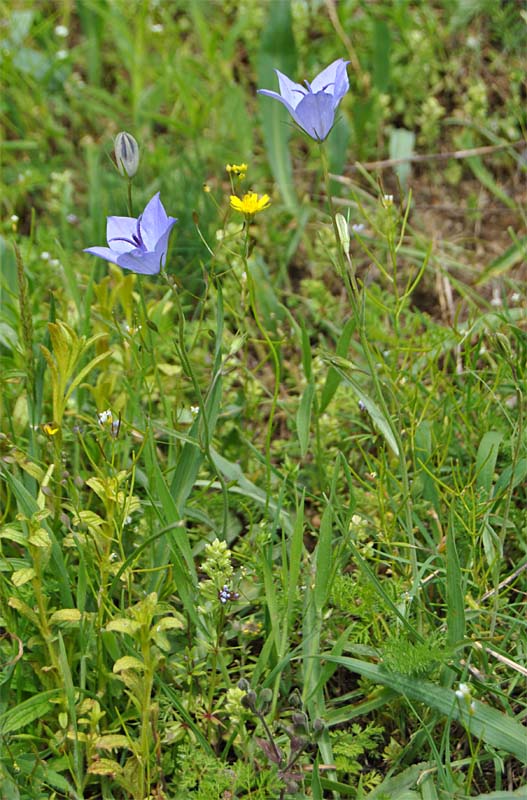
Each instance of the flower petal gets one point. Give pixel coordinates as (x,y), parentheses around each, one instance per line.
(162,245)
(122,230)
(142,263)
(332,79)
(154,222)
(291,92)
(279,97)
(103,252)
(316,115)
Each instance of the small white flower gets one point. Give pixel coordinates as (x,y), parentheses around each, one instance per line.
(62,55)
(62,31)
(14,218)
(358,227)
(515,297)
(194,410)
(54,262)
(156,27)
(45,256)
(463,691)
(104,417)
(72,219)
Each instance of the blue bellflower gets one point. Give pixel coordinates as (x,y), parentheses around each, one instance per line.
(138,244)
(313,106)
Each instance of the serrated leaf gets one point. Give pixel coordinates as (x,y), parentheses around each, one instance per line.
(128,662)
(112,741)
(65,615)
(123,625)
(105,766)
(22,576)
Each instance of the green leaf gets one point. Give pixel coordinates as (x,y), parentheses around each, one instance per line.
(486,460)
(402,146)
(27,712)
(303,417)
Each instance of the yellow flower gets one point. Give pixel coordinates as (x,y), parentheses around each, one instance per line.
(237,169)
(50,428)
(250,204)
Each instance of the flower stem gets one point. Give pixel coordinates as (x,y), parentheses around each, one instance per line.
(274,357)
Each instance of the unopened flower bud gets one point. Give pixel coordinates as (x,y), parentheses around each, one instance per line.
(344,234)
(126,152)
(264,700)
(299,720)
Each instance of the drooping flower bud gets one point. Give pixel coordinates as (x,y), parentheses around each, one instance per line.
(126,152)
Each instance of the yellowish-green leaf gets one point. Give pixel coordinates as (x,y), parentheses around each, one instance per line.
(128,662)
(65,615)
(122,625)
(22,576)
(111,741)
(40,538)
(105,766)
(13,535)
(24,609)
(170,623)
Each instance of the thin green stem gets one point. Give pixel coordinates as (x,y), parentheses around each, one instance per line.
(274,357)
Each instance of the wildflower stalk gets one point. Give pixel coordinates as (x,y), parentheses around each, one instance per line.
(274,357)
(356,298)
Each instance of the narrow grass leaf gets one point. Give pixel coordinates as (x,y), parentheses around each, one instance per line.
(486,460)
(455,596)
(303,417)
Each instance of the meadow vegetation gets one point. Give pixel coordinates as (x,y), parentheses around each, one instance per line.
(263,523)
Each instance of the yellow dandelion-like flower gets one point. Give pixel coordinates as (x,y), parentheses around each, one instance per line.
(237,169)
(250,204)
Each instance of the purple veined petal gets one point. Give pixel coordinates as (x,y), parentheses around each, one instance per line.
(153,222)
(290,91)
(120,233)
(278,97)
(142,263)
(316,115)
(103,252)
(332,78)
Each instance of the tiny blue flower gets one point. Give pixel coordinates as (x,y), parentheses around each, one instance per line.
(313,106)
(139,245)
